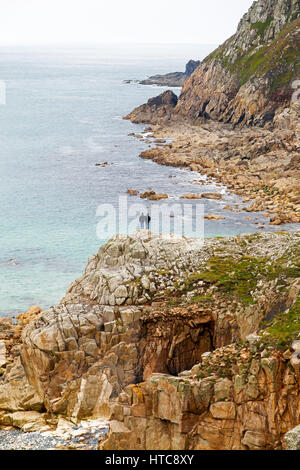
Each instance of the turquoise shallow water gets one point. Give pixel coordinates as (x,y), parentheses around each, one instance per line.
(64,114)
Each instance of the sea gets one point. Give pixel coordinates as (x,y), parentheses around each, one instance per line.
(60,120)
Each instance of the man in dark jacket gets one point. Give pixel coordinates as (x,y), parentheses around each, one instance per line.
(148,219)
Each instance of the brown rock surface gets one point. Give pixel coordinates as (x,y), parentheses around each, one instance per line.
(247,410)
(147,304)
(261,165)
(249,78)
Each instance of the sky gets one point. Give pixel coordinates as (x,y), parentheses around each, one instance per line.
(49,22)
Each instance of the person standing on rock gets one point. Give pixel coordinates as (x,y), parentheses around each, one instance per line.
(148,219)
(142,220)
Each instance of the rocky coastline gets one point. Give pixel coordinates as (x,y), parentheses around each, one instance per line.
(167,341)
(261,166)
(175,343)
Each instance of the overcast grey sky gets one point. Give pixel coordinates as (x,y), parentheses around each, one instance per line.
(41,22)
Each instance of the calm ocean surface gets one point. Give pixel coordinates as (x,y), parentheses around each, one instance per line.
(63,115)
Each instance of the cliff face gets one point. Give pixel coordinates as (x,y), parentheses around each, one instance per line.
(248,79)
(248,402)
(149,304)
(237,119)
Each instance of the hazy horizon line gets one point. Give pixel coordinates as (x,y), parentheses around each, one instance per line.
(122,44)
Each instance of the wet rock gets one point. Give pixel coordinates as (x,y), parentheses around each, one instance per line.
(133,192)
(214,217)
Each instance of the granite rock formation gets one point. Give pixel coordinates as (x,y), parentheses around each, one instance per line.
(253,77)
(248,402)
(180,344)
(148,305)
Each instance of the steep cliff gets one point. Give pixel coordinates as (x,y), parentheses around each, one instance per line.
(237,399)
(249,78)
(149,304)
(157,108)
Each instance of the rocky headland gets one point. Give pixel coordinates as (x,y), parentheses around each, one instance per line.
(178,343)
(237,117)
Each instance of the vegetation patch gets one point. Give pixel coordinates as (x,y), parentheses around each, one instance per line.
(174,302)
(283,329)
(279,59)
(239,278)
(201,299)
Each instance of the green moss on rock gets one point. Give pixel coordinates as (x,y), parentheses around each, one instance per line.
(278,59)
(239,278)
(283,329)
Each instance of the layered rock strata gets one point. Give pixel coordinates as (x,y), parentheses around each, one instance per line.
(236,399)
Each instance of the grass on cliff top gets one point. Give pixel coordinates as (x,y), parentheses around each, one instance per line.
(283,329)
(239,278)
(280,57)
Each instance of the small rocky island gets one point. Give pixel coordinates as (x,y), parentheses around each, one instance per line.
(173,79)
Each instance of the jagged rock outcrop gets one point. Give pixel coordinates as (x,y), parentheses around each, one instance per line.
(248,79)
(172,79)
(145,304)
(237,399)
(292,439)
(160,107)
